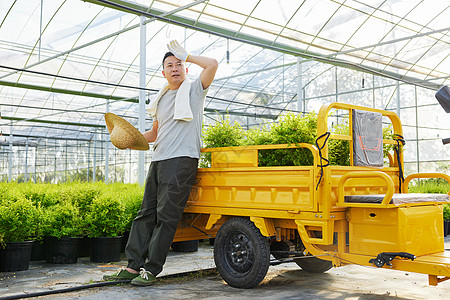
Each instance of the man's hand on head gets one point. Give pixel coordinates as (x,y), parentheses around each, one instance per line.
(178,51)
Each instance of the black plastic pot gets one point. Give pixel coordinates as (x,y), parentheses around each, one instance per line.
(124,241)
(106,249)
(38,251)
(84,248)
(446,227)
(15,256)
(63,250)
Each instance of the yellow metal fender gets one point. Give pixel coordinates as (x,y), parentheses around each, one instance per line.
(327,227)
(212,220)
(264,225)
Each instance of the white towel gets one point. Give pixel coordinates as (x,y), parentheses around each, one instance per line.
(182,101)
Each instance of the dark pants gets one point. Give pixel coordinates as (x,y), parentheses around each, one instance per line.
(167,189)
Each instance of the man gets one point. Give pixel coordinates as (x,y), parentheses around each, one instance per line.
(178,114)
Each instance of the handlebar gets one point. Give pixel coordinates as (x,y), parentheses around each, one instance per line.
(368,175)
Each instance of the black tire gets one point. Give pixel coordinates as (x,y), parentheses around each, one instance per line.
(241,253)
(185,246)
(313,264)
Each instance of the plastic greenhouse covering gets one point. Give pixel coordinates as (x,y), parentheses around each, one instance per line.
(64,64)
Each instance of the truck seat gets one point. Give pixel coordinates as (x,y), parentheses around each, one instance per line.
(399,199)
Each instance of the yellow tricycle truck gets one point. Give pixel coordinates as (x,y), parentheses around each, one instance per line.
(321,216)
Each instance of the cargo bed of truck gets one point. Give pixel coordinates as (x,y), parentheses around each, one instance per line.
(321,216)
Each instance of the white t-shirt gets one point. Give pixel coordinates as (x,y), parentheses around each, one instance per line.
(179,138)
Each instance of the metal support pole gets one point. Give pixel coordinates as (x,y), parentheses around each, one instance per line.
(35,160)
(46,159)
(130,163)
(417,130)
(95,153)
(26,160)
(373,91)
(398,98)
(54,171)
(88,160)
(299,85)
(336,84)
(10,154)
(282,63)
(40,30)
(65,166)
(107,149)
(337,90)
(142,82)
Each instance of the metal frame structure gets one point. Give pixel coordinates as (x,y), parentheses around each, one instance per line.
(60,74)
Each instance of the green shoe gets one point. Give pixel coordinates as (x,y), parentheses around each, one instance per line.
(122,274)
(145,278)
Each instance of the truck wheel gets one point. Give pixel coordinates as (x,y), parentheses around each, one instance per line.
(313,264)
(241,253)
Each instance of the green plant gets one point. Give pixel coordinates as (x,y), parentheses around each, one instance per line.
(430,185)
(5,187)
(34,192)
(62,220)
(81,194)
(131,197)
(107,217)
(68,210)
(18,218)
(43,194)
(388,134)
(258,136)
(447,212)
(291,129)
(221,134)
(339,150)
(9,193)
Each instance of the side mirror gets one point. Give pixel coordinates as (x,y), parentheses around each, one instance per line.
(443,96)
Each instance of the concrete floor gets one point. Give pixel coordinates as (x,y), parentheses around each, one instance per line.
(285,281)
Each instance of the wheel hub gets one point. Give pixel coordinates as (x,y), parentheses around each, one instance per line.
(240,258)
(239,254)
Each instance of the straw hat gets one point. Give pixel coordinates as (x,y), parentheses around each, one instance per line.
(123,134)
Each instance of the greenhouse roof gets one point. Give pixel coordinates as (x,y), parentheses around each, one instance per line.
(63,61)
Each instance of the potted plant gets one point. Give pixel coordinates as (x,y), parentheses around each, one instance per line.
(41,196)
(446,219)
(289,129)
(61,226)
(18,223)
(106,222)
(132,200)
(82,195)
